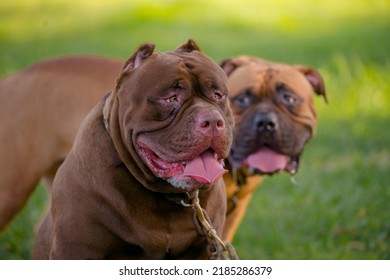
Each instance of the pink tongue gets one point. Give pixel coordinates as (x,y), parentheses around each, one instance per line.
(204,168)
(267,160)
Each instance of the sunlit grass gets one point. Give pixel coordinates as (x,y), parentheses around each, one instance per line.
(356,88)
(48,17)
(248,12)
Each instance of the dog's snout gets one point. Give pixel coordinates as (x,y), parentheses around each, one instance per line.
(210,121)
(265,122)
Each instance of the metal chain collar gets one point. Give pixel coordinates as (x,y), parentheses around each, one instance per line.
(221,250)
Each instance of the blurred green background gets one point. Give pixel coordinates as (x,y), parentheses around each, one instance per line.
(338,206)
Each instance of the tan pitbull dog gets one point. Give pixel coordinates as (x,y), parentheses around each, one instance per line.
(48,100)
(161,135)
(275,117)
(41,109)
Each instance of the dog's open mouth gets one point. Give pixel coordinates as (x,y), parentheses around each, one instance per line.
(268,161)
(205,168)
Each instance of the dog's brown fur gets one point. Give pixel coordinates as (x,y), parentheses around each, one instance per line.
(117,195)
(44,105)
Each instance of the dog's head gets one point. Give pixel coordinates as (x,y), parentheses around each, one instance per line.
(171,113)
(274,113)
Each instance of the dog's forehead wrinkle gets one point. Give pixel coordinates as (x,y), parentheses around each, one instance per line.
(189,65)
(281,87)
(269,72)
(201,88)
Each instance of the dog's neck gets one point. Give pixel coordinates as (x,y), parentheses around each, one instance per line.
(239,183)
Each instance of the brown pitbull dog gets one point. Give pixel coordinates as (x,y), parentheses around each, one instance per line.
(157,139)
(275,117)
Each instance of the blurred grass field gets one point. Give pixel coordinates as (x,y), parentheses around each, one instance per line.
(338,205)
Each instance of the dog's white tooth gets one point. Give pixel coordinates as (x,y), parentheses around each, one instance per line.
(294,166)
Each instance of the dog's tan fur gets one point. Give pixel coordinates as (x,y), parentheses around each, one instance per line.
(41,110)
(262,79)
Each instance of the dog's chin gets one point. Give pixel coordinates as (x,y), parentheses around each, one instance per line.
(187,184)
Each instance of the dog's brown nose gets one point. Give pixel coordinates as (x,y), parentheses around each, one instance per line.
(210,121)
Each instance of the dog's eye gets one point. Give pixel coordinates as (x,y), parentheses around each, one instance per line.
(219,96)
(286,96)
(171,99)
(243,100)
(289,99)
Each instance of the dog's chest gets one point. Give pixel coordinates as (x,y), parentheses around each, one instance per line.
(170,234)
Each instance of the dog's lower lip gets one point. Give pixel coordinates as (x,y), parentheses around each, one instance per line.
(161,167)
(255,171)
(166,169)
(184,162)
(158,164)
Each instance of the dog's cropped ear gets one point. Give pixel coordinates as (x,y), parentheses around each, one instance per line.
(143,52)
(189,46)
(314,78)
(230,64)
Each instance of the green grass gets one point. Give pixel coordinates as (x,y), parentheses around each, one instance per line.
(339,206)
